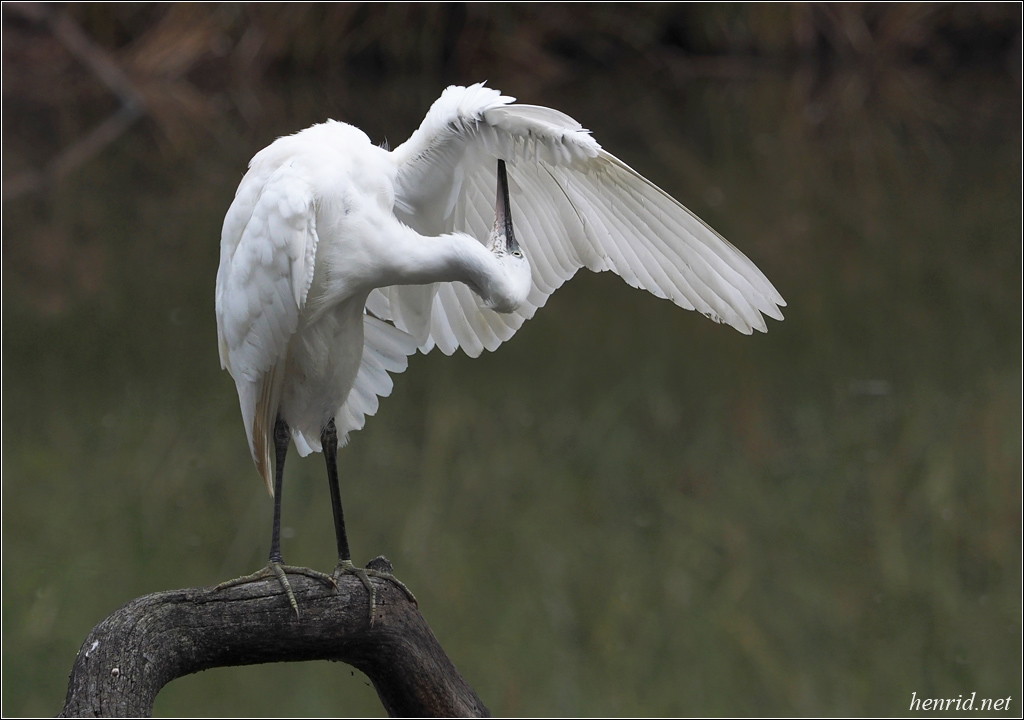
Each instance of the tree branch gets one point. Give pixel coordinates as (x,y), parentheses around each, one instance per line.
(134,652)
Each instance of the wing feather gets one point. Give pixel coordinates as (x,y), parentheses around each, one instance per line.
(386,351)
(574,205)
(268,251)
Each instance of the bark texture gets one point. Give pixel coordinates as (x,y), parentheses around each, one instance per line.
(152,640)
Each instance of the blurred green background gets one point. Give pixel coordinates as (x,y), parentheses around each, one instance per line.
(627,509)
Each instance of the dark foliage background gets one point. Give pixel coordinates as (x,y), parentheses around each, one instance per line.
(627,510)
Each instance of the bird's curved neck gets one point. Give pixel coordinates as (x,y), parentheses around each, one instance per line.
(398,255)
(457,257)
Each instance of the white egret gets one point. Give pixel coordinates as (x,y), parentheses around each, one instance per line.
(339,259)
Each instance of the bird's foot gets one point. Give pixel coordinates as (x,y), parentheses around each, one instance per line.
(346,567)
(280,571)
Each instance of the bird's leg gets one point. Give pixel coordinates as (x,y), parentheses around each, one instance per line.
(329,443)
(276,567)
(280,451)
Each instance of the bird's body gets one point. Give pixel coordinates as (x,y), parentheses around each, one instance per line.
(339,258)
(291,306)
(311,233)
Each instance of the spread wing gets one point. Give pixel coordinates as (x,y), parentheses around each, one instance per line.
(574,205)
(268,249)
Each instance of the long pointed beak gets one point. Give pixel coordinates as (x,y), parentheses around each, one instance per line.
(503,210)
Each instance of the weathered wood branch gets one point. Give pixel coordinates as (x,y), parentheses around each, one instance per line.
(152,640)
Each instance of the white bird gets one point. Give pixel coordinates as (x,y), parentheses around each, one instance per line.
(339,259)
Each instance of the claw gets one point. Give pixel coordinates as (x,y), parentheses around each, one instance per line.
(346,567)
(279,571)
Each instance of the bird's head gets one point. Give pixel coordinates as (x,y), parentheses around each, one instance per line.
(516,280)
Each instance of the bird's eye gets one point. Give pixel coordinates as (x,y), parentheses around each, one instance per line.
(516,254)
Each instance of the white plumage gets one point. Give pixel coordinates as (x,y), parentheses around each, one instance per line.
(339,259)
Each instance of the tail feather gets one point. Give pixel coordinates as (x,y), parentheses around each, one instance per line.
(263,423)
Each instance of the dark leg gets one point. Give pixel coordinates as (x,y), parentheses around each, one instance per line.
(329,443)
(276,567)
(280,450)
